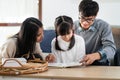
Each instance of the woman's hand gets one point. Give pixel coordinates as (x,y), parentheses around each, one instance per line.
(50,58)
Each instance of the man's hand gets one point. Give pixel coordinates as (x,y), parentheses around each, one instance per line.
(90,58)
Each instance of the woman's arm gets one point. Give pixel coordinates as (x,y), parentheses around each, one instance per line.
(8,49)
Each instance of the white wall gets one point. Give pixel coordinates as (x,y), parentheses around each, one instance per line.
(109,11)
(17,10)
(52,8)
(6,32)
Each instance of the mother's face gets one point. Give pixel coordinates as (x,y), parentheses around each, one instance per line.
(39,35)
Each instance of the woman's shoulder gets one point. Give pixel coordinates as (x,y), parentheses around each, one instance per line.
(10,41)
(9,44)
(13,40)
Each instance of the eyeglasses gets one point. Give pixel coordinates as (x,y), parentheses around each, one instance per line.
(88,20)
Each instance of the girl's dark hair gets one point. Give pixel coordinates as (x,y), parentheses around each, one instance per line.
(27,36)
(88,8)
(63,25)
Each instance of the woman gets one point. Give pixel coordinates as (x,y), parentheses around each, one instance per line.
(26,42)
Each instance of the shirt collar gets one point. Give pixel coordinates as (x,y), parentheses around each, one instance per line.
(92,28)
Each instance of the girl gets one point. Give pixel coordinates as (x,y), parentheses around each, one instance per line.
(67,47)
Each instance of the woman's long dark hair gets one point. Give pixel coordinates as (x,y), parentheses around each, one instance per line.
(27,36)
(63,25)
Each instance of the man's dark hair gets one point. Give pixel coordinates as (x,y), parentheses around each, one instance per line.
(88,8)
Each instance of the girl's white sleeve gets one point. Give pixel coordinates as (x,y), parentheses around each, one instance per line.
(53,50)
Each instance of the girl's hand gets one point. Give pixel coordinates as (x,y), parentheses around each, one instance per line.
(50,58)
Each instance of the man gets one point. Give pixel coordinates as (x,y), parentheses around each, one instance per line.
(100,47)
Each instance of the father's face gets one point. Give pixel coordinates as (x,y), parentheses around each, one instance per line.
(86,22)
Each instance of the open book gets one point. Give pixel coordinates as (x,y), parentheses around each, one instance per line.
(73,64)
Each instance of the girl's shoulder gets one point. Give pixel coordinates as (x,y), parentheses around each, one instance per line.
(53,40)
(78,37)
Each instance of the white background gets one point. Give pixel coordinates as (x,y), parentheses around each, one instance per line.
(52,8)
(18,10)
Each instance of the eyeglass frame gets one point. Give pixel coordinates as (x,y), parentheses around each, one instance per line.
(82,18)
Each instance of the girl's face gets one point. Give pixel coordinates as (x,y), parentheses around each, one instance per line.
(40,35)
(67,37)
